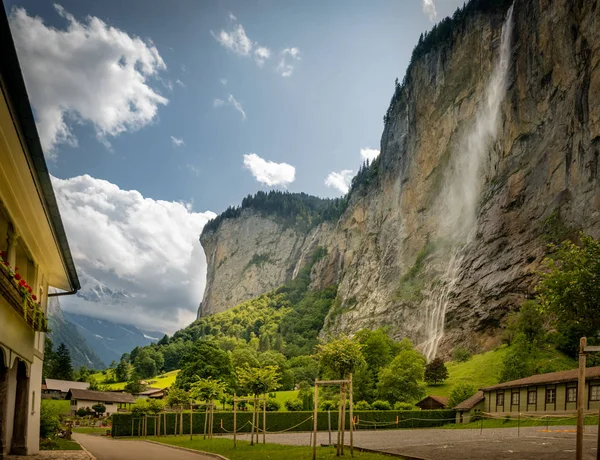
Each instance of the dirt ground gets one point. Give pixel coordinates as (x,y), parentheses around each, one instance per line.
(532,443)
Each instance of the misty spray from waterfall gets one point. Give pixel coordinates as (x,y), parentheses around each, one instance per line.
(463,187)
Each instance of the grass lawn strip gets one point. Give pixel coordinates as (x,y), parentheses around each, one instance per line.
(245,451)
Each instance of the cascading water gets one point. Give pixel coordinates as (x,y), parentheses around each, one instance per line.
(463,188)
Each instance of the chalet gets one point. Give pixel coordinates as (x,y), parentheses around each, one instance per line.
(469,408)
(432,402)
(554,392)
(112,401)
(152,393)
(58,389)
(34,255)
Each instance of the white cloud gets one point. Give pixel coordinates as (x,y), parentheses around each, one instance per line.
(180,83)
(233,102)
(236,40)
(193,169)
(340,181)
(429,9)
(369,154)
(285,68)
(139,259)
(223,81)
(87,72)
(261,54)
(268,172)
(237,105)
(177,142)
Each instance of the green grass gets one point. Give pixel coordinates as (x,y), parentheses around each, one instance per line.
(245,451)
(283,396)
(58,444)
(483,370)
(60,406)
(95,430)
(166,380)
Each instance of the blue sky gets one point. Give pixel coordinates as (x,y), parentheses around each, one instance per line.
(303,85)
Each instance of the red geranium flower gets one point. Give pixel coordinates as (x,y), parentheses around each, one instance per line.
(17,277)
(33,297)
(16,269)
(22,283)
(29,289)
(3,254)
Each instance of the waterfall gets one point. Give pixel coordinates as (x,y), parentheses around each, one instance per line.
(463,187)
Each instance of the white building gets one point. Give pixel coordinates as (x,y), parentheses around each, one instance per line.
(112,401)
(32,239)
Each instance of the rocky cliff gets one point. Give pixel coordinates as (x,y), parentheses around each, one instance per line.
(483,162)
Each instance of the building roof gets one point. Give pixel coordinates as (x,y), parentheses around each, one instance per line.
(151,391)
(547,379)
(439,399)
(14,91)
(65,385)
(471,402)
(100,396)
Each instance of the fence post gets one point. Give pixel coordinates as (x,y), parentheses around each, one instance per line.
(315,426)
(351,422)
(580,398)
(329,425)
(234,421)
(265,420)
(191,427)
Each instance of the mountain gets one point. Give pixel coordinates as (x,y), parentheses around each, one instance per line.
(489,152)
(63,331)
(110,340)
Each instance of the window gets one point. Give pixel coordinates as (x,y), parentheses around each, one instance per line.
(500,399)
(550,395)
(572,394)
(595,393)
(515,398)
(73,402)
(532,397)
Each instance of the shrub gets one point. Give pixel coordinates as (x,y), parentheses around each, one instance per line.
(294,405)
(362,405)
(381,405)
(328,404)
(403,406)
(273,405)
(49,420)
(460,393)
(84,412)
(461,355)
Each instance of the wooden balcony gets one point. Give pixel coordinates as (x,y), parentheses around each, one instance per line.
(22,303)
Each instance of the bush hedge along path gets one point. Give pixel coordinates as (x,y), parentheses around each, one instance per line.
(283,421)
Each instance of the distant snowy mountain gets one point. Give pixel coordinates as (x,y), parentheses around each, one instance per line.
(108,339)
(63,331)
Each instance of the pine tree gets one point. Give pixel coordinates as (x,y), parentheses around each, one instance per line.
(49,359)
(62,368)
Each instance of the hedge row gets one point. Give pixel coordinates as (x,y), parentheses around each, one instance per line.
(127,425)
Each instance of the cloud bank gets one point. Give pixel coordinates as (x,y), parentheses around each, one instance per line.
(268,172)
(139,259)
(368,154)
(340,180)
(429,9)
(89,72)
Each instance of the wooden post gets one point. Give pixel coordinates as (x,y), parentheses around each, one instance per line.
(329,424)
(132,427)
(165,419)
(253,423)
(158,424)
(598,441)
(339,431)
(205,420)
(351,422)
(345,395)
(265,420)
(191,428)
(580,399)
(315,420)
(234,421)
(519,425)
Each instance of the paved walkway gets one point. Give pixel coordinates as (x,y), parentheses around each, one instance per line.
(117,449)
(54,455)
(530,443)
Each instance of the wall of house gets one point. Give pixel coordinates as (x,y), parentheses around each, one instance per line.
(33,426)
(111,408)
(560,404)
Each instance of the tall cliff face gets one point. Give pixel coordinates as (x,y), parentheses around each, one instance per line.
(393,253)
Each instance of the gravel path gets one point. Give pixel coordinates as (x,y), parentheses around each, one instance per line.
(558,443)
(117,449)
